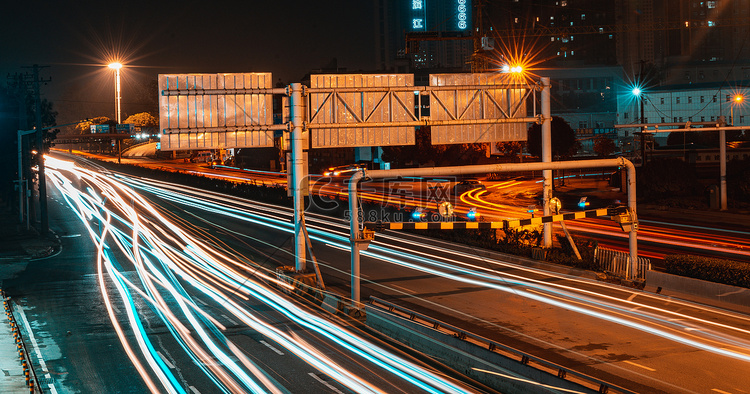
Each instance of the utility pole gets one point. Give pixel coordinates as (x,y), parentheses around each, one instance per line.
(643,118)
(44,228)
(17,86)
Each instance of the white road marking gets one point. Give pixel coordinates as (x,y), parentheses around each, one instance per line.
(632,296)
(404,289)
(721,391)
(195,390)
(268,345)
(230,319)
(34,343)
(334,389)
(640,366)
(170,365)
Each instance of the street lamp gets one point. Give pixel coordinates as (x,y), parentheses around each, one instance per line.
(637,92)
(738,99)
(117,67)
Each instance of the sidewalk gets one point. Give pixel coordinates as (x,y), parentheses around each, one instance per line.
(18,246)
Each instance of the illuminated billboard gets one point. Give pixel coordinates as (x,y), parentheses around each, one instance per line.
(439,16)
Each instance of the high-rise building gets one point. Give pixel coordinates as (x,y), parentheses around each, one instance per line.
(439,33)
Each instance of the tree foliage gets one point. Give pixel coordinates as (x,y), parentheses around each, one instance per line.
(85,126)
(424,152)
(667,178)
(564,143)
(604,147)
(143,119)
(511,149)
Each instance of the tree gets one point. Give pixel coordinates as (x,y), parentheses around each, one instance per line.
(511,149)
(143,119)
(604,146)
(85,126)
(424,152)
(48,116)
(564,143)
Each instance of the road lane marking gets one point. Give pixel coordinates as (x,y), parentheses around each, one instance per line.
(194,390)
(632,296)
(34,343)
(170,365)
(334,389)
(230,320)
(721,391)
(268,345)
(404,289)
(640,366)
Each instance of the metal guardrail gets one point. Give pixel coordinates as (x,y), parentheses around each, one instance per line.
(32,382)
(618,263)
(497,347)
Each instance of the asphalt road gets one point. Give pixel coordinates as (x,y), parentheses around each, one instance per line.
(634,339)
(115,322)
(641,341)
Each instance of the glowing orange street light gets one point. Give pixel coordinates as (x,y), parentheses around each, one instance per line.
(738,99)
(117,67)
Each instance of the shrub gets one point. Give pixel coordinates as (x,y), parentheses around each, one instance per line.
(728,272)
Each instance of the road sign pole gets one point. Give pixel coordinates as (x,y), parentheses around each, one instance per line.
(297,168)
(354,236)
(546,157)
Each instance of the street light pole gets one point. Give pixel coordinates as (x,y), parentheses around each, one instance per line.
(117,67)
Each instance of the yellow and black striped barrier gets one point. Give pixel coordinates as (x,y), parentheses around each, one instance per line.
(504,224)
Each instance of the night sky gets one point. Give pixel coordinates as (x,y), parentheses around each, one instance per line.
(78,38)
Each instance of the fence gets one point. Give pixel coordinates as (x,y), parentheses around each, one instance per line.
(618,263)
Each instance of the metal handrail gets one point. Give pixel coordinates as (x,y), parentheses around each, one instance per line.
(493,346)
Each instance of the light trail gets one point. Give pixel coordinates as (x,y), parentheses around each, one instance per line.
(431,263)
(165,258)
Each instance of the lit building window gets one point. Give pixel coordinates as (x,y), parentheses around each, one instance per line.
(711,4)
(711,23)
(416,4)
(583,17)
(417,23)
